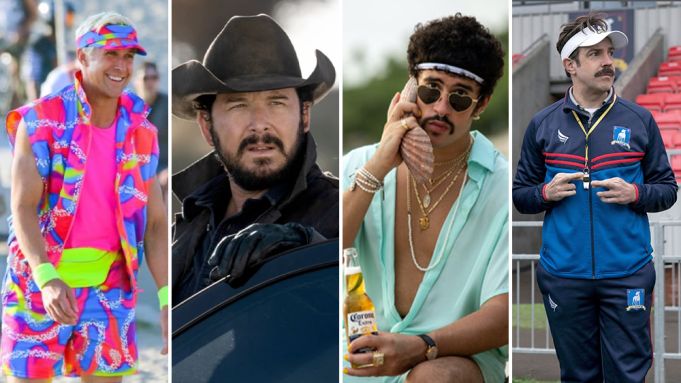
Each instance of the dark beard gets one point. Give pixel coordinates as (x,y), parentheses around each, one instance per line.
(252,180)
(444,119)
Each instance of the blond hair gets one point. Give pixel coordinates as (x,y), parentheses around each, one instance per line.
(99,20)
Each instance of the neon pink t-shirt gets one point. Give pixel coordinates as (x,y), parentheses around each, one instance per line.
(94,224)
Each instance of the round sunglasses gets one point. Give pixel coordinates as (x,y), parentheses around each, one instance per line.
(458,102)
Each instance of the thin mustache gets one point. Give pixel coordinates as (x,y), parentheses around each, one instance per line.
(444,119)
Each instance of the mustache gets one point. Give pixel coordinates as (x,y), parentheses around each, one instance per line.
(265,139)
(605,71)
(443,119)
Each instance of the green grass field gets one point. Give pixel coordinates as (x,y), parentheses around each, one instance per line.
(526,316)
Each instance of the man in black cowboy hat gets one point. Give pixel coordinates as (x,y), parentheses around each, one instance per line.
(261,191)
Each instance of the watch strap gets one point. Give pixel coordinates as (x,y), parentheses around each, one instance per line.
(431,349)
(429,341)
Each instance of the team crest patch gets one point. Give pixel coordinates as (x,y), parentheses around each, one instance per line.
(621,136)
(636,299)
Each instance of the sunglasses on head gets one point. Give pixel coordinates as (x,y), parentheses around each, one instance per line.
(458,102)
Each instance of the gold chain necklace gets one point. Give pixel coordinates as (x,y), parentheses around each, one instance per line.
(437,181)
(411,234)
(424,221)
(457,159)
(428,192)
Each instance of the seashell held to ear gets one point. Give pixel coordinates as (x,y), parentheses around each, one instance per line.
(416,148)
(417,153)
(409,91)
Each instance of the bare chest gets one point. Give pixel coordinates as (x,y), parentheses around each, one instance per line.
(423,237)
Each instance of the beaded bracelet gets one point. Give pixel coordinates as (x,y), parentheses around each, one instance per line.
(370,177)
(366,181)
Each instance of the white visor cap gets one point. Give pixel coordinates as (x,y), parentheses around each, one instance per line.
(589,37)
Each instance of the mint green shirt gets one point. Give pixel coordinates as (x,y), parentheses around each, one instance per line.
(474,267)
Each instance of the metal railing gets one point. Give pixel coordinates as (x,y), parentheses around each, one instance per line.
(665,264)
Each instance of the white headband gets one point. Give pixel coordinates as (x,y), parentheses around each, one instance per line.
(588,37)
(450,69)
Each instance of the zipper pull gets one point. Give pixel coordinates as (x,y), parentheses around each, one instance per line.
(586,179)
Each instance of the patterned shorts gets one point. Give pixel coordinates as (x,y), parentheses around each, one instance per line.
(102,343)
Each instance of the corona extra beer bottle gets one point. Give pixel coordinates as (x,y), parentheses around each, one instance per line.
(360,315)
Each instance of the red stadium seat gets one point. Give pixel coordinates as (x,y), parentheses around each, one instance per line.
(664,84)
(674,53)
(672,102)
(669,136)
(652,102)
(668,120)
(670,68)
(670,128)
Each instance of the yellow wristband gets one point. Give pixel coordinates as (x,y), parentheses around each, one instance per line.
(163,296)
(44,273)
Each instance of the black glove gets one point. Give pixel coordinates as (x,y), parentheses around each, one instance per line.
(238,255)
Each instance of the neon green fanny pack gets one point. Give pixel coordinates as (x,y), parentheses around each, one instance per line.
(85,266)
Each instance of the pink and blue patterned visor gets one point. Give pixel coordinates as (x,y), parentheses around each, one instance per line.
(112,37)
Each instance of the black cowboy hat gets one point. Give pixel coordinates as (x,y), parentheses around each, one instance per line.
(250,54)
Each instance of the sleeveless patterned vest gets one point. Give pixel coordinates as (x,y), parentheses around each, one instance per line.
(59,131)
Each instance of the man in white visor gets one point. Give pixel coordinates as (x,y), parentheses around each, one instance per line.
(596,165)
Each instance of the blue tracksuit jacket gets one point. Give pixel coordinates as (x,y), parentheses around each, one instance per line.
(582,236)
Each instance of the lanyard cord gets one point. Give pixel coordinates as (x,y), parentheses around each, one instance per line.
(593,127)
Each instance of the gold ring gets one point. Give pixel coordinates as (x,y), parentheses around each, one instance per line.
(378,358)
(403,123)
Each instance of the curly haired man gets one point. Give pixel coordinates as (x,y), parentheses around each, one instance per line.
(438,281)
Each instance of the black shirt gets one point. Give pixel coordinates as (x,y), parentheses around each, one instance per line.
(310,199)
(215,196)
